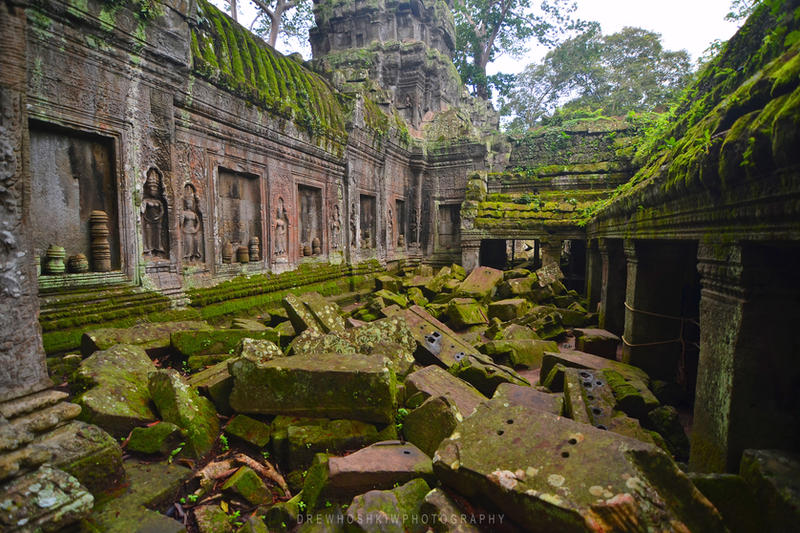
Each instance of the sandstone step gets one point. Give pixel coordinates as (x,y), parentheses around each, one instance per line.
(24,429)
(32,402)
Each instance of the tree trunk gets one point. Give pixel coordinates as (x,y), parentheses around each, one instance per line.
(274,27)
(234,11)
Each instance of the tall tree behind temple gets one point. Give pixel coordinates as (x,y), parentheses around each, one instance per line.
(487,28)
(626,71)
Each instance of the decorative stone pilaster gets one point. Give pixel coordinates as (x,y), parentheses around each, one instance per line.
(551,251)
(470,255)
(594,274)
(612,288)
(721,313)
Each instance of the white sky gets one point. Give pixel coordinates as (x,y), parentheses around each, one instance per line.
(683,24)
(689,25)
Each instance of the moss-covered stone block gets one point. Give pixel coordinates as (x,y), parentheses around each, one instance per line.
(772,475)
(481,283)
(216,383)
(519,353)
(85,451)
(161,438)
(248,324)
(508,309)
(218,341)
(329,385)
(150,336)
(390,283)
(249,430)
(379,466)
(149,485)
(117,398)
(465,312)
(397,509)
(433,381)
(733,498)
(330,436)
(180,404)
(577,359)
(597,341)
(248,485)
(327,314)
(510,394)
(431,423)
(572,477)
(415,295)
(632,396)
(212,519)
(665,421)
(391,298)
(258,349)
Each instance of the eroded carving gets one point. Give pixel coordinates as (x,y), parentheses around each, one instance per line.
(191,226)
(154,216)
(281,230)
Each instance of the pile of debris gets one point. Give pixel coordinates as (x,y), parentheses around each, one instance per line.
(409,411)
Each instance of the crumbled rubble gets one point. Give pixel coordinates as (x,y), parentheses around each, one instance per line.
(438,395)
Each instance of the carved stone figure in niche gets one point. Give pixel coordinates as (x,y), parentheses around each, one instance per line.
(390,227)
(191,226)
(281,230)
(154,216)
(336,228)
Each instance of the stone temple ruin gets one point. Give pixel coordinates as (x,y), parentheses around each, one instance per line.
(244,292)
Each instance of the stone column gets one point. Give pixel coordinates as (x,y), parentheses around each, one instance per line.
(22,359)
(649,336)
(748,369)
(613,272)
(594,274)
(661,295)
(470,255)
(551,251)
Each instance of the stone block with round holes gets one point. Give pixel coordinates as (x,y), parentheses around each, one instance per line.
(589,399)
(379,466)
(549,473)
(438,344)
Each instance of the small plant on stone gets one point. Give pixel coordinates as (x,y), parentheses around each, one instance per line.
(224,440)
(234,517)
(175,452)
(265,454)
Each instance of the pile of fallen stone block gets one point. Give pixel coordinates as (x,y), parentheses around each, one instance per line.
(414,409)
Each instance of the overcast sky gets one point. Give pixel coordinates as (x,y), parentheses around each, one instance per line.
(683,24)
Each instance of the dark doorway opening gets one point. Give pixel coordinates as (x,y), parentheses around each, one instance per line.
(493,253)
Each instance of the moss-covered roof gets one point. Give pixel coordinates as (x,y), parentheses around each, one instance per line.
(738,123)
(226,54)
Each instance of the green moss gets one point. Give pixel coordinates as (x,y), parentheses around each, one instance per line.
(256,72)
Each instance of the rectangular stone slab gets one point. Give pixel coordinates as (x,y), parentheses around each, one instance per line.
(481,282)
(379,466)
(434,381)
(151,336)
(576,359)
(353,386)
(549,474)
(436,343)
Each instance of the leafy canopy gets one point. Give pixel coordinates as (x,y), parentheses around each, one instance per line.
(487,28)
(628,71)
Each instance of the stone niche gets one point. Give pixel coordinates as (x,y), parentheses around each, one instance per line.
(401,230)
(310,220)
(72,174)
(449,226)
(239,210)
(367,221)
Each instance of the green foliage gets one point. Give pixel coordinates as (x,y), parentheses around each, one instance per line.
(628,71)
(488,28)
